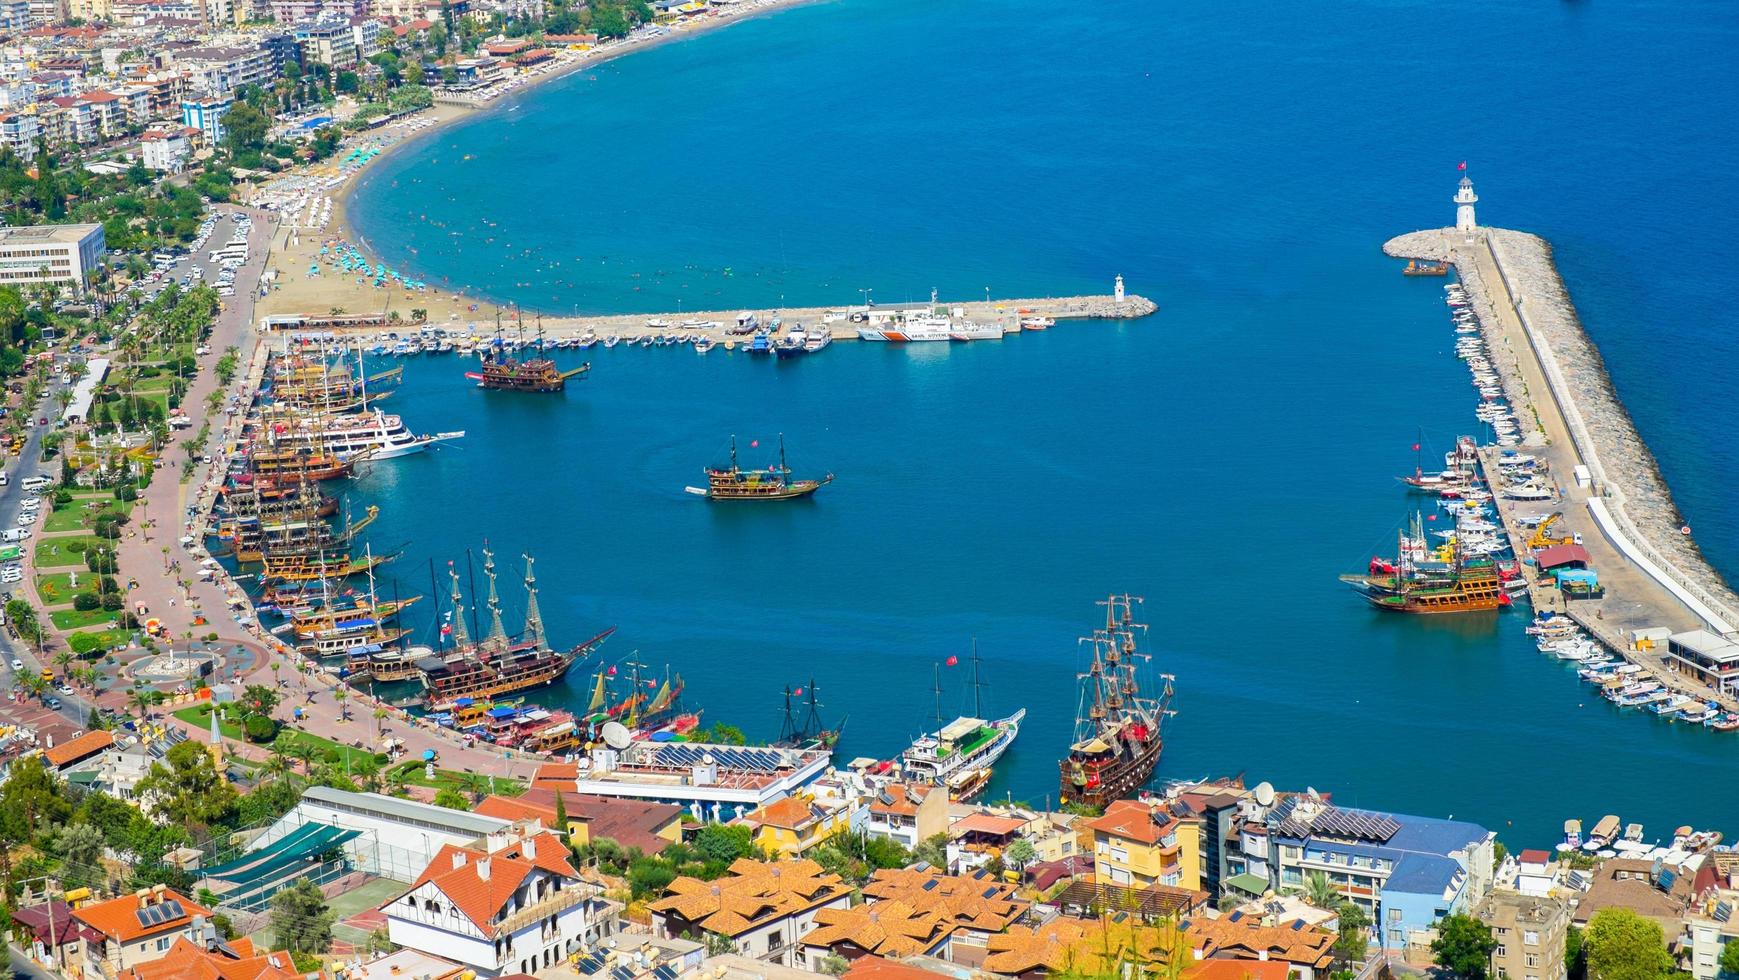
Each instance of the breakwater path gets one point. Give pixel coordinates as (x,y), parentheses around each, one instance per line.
(1610,490)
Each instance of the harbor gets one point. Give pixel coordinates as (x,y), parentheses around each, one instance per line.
(1655,602)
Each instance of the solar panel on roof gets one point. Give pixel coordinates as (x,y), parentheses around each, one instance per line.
(988,892)
(664,972)
(932,883)
(593,963)
(1297,925)
(622,973)
(1723,911)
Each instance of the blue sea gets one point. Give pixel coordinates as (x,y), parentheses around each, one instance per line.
(1227,459)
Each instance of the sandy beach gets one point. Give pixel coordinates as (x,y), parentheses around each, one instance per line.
(295,247)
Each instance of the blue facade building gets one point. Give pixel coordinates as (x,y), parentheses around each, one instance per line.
(1406,872)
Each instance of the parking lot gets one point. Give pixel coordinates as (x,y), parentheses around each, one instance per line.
(211,258)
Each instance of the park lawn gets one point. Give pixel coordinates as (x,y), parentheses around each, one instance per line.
(64,552)
(87,644)
(415,775)
(72,517)
(200,714)
(57,589)
(73,619)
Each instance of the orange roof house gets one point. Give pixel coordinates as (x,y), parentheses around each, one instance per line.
(763,905)
(138,928)
(213,960)
(909,912)
(78,749)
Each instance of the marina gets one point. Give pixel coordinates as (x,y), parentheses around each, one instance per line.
(1589,494)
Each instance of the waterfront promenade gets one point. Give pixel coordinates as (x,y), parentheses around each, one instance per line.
(1553,376)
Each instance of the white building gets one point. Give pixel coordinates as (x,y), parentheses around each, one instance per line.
(50,253)
(165,151)
(399,837)
(85,392)
(21,132)
(715,782)
(513,903)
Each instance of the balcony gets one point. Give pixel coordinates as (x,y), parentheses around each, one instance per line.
(552,904)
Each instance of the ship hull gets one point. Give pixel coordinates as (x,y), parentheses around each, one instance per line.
(1117,779)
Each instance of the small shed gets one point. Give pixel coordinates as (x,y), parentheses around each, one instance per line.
(1562,556)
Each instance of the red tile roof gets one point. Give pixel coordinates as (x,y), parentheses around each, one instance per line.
(988,823)
(482,899)
(1133,820)
(1535,857)
(118,918)
(235,960)
(83,747)
(631,823)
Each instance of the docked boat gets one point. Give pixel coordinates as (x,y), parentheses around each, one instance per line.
(1118,734)
(968,330)
(912,330)
(794,344)
(818,340)
(1414,267)
(373,435)
(1420,581)
(771,483)
(501,372)
(959,755)
(809,732)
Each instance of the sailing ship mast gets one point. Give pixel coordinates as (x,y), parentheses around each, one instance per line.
(977,684)
(456,615)
(497,637)
(533,618)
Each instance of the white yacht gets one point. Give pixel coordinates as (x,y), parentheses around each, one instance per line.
(373,435)
(960,754)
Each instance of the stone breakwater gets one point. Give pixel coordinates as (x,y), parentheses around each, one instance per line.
(1602,430)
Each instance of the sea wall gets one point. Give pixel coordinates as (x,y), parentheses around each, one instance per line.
(1605,437)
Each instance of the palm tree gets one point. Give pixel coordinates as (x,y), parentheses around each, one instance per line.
(275,668)
(35,684)
(367,772)
(1321,892)
(380,714)
(140,700)
(304,752)
(340,695)
(477,785)
(277,765)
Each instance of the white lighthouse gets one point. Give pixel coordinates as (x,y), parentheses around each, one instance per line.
(1117,290)
(1465,199)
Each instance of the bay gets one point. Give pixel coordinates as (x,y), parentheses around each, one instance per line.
(1226,458)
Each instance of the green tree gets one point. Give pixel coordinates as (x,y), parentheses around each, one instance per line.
(190,790)
(1622,945)
(259,699)
(1019,854)
(30,801)
(1728,964)
(833,965)
(932,851)
(301,922)
(1575,958)
(79,846)
(452,799)
(245,129)
(719,843)
(1352,944)
(1463,947)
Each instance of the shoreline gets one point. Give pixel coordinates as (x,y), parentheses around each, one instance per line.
(445,115)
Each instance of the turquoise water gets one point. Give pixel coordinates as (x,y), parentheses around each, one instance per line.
(1227,458)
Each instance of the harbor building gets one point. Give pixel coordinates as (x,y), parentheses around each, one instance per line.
(1712,660)
(713,782)
(763,907)
(1530,931)
(1406,872)
(51,253)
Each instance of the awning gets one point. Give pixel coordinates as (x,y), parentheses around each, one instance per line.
(1248,883)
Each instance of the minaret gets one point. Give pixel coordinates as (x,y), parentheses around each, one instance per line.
(1117,291)
(533,619)
(1465,199)
(456,616)
(216,740)
(497,633)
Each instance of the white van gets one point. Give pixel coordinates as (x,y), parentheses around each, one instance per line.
(13,535)
(37,482)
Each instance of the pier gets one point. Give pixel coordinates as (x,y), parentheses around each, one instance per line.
(838,320)
(1609,489)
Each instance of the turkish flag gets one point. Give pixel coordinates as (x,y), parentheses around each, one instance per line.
(951,661)
(1462,165)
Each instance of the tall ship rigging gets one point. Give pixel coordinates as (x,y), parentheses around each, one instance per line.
(1118,734)
(808,732)
(501,372)
(1416,581)
(497,664)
